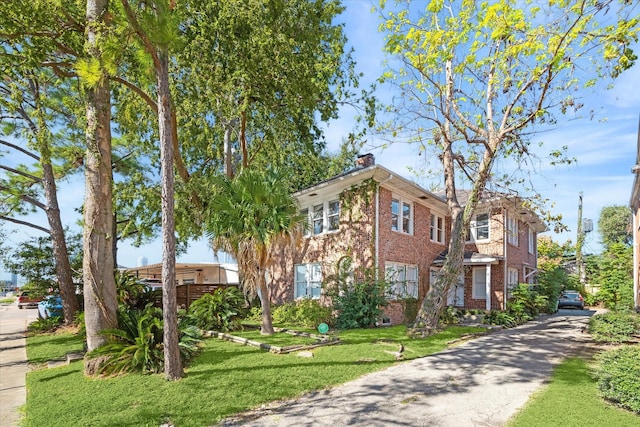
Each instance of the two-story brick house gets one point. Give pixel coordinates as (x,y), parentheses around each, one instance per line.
(372,217)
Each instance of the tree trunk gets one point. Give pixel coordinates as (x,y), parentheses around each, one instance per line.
(60,253)
(172,362)
(267,323)
(228,160)
(99,283)
(435,301)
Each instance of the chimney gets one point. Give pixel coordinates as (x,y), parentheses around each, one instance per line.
(365,160)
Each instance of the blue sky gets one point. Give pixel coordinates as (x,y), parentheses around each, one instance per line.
(605,151)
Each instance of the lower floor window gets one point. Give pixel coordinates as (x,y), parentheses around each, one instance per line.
(479,289)
(403,280)
(308,280)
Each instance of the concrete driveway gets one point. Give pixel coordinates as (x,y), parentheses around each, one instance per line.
(482,382)
(13,361)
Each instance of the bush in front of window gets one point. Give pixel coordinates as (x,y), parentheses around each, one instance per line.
(358,302)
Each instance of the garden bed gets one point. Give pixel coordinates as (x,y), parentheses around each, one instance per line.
(318,341)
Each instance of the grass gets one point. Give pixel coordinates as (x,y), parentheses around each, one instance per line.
(8,300)
(224,379)
(43,347)
(571,399)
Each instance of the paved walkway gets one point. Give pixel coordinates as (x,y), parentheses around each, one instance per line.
(482,382)
(13,361)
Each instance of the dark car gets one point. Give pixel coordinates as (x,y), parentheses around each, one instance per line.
(571,299)
(50,306)
(28,300)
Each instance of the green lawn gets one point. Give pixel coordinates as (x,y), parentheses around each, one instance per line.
(571,400)
(224,379)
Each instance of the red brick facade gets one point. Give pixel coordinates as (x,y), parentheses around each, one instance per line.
(366,237)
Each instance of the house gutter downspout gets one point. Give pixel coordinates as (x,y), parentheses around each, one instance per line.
(377,227)
(506,269)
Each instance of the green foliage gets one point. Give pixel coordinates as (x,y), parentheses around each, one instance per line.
(614,327)
(33,260)
(136,345)
(614,225)
(526,304)
(618,372)
(551,281)
(307,312)
(220,310)
(450,316)
(133,293)
(502,318)
(616,277)
(359,300)
(45,325)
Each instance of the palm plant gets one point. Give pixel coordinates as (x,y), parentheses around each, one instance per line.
(249,215)
(136,345)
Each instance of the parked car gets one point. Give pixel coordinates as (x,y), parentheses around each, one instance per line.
(50,306)
(27,300)
(571,299)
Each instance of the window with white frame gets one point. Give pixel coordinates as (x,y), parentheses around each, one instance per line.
(323,217)
(308,280)
(479,288)
(532,242)
(512,230)
(401,215)
(333,215)
(479,227)
(436,232)
(403,280)
(512,280)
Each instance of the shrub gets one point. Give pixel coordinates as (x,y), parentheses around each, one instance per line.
(501,318)
(307,313)
(451,316)
(526,304)
(614,327)
(358,302)
(136,345)
(135,294)
(617,374)
(220,310)
(45,325)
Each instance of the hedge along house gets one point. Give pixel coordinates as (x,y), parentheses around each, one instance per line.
(500,252)
(367,218)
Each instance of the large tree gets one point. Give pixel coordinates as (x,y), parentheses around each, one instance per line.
(614,225)
(249,215)
(156,38)
(37,113)
(476,77)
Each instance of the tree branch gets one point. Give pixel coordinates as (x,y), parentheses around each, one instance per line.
(24,174)
(22,150)
(26,198)
(28,224)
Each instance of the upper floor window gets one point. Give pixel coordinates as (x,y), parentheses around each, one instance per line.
(436,232)
(479,227)
(403,279)
(308,281)
(532,242)
(512,230)
(401,216)
(323,217)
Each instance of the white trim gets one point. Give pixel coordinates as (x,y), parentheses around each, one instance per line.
(402,202)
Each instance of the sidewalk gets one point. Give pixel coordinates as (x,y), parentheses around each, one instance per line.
(13,362)
(482,382)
